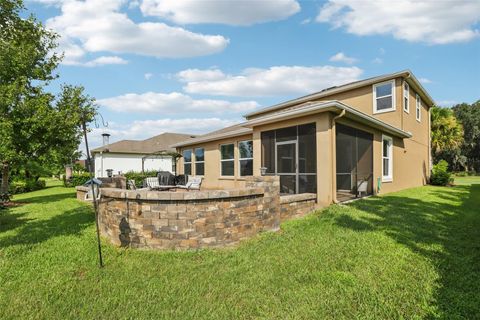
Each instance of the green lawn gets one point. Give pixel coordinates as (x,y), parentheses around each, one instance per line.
(467,180)
(411,254)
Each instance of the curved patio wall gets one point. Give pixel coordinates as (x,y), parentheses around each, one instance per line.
(192,219)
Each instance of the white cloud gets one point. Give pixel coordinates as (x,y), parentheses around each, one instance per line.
(274,81)
(104,60)
(239,13)
(424,80)
(433,22)
(341,57)
(377,60)
(174,102)
(200,75)
(98,25)
(148,76)
(306,21)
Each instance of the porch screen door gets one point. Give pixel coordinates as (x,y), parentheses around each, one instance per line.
(287,164)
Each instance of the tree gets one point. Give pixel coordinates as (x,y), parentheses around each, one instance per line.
(33,130)
(469,117)
(447,136)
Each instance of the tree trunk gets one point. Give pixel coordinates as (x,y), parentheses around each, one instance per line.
(5,177)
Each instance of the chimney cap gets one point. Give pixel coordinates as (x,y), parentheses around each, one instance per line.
(105,134)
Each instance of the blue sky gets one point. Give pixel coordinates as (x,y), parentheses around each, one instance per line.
(196,66)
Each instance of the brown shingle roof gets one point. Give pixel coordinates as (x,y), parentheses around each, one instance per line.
(235,130)
(160,143)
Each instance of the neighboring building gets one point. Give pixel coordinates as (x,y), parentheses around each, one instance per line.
(371,136)
(134,155)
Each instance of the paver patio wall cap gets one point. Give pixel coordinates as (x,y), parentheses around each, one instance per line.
(171,195)
(297,197)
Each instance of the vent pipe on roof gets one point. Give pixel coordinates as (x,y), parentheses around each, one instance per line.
(106,139)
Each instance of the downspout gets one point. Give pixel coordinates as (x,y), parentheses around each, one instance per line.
(334,156)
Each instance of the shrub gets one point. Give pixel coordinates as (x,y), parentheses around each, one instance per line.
(77,179)
(139,176)
(22,186)
(440,175)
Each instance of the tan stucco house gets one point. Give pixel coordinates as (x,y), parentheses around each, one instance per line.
(366,137)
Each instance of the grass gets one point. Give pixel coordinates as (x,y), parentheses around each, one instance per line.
(412,254)
(468,180)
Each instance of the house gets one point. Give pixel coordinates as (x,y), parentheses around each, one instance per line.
(366,137)
(134,155)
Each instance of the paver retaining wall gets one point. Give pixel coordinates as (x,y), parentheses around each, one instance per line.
(195,219)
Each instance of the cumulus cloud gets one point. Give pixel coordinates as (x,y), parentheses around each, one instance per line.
(104,60)
(433,22)
(342,57)
(148,75)
(236,12)
(424,80)
(99,25)
(274,81)
(174,102)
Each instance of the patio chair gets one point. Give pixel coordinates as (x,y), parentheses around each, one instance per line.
(151,182)
(193,183)
(166,178)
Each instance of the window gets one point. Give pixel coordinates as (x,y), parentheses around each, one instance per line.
(187,162)
(199,162)
(384,97)
(246,158)
(227,159)
(418,109)
(406,93)
(387,155)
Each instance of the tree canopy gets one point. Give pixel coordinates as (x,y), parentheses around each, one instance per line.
(35,127)
(469,117)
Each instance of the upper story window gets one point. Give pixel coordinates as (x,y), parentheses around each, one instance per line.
(199,161)
(384,97)
(187,162)
(227,159)
(406,95)
(387,159)
(246,157)
(418,108)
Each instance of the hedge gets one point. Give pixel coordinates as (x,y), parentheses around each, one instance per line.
(22,186)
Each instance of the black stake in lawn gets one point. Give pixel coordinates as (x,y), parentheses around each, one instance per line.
(95,204)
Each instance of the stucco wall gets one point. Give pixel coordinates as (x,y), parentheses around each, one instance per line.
(212,177)
(411,156)
(128,162)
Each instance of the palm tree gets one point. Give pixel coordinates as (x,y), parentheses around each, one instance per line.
(447,132)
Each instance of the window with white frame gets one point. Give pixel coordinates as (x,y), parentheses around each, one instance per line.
(406,94)
(187,162)
(384,97)
(199,161)
(418,108)
(227,159)
(246,158)
(387,158)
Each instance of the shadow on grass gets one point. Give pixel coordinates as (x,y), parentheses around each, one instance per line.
(33,231)
(47,199)
(424,226)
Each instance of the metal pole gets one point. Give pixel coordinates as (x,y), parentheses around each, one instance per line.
(95,204)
